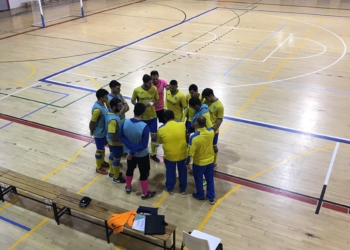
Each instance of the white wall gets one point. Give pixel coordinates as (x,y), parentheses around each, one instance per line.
(17,3)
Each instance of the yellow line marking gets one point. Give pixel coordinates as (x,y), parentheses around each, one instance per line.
(257,175)
(29,233)
(63,165)
(13,200)
(89,184)
(20,82)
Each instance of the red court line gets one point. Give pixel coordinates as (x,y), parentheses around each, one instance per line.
(24,32)
(45,128)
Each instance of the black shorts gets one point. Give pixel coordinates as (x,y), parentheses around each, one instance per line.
(160,115)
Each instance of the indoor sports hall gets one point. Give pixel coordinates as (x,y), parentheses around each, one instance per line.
(281,69)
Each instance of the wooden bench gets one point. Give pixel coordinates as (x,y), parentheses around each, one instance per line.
(30,185)
(68,201)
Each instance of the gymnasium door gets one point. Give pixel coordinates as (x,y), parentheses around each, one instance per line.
(4,5)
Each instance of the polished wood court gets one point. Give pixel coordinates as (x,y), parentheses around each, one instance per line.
(281,68)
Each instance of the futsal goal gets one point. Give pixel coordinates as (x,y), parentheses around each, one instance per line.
(45,11)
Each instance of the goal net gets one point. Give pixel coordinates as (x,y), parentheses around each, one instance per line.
(45,11)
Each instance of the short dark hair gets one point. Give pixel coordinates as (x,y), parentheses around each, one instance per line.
(114,83)
(114,102)
(169,115)
(139,109)
(146,78)
(154,73)
(207,92)
(201,120)
(195,101)
(193,87)
(173,82)
(101,93)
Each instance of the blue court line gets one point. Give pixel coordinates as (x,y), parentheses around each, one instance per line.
(257,47)
(124,46)
(286,12)
(64,96)
(290,130)
(291,85)
(14,223)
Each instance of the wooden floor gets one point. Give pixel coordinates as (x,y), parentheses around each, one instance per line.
(281,69)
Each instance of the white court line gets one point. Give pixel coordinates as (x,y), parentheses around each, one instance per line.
(307,74)
(196,53)
(331,164)
(278,47)
(304,57)
(206,41)
(8,95)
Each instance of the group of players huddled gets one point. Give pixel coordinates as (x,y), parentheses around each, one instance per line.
(190,113)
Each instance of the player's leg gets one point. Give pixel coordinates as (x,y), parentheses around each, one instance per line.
(209,176)
(198,172)
(117,155)
(216,150)
(105,164)
(100,151)
(153,126)
(131,165)
(181,168)
(144,168)
(170,175)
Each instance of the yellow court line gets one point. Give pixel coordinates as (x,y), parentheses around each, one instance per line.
(20,82)
(257,175)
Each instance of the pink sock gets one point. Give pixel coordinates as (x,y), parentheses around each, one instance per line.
(144,186)
(128,181)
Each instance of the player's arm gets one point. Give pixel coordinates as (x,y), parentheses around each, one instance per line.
(125,140)
(95,115)
(208,123)
(190,151)
(166,85)
(220,118)
(134,97)
(144,141)
(159,136)
(126,105)
(156,97)
(183,103)
(185,114)
(112,129)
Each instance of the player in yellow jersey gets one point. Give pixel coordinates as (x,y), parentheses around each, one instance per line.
(189,112)
(175,101)
(148,95)
(115,87)
(216,109)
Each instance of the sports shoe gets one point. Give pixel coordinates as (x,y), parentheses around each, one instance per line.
(171,192)
(128,190)
(183,192)
(119,180)
(195,195)
(155,158)
(211,201)
(105,165)
(148,195)
(204,182)
(112,175)
(101,171)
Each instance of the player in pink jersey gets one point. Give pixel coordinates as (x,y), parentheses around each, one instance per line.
(161,86)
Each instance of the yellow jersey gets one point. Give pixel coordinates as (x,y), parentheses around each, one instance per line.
(145,96)
(189,112)
(176,103)
(216,110)
(200,147)
(173,137)
(113,128)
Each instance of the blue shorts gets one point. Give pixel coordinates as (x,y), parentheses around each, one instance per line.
(152,124)
(100,143)
(216,139)
(117,151)
(189,128)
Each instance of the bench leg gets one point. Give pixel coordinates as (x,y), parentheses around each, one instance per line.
(174,240)
(14,190)
(107,233)
(1,195)
(57,219)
